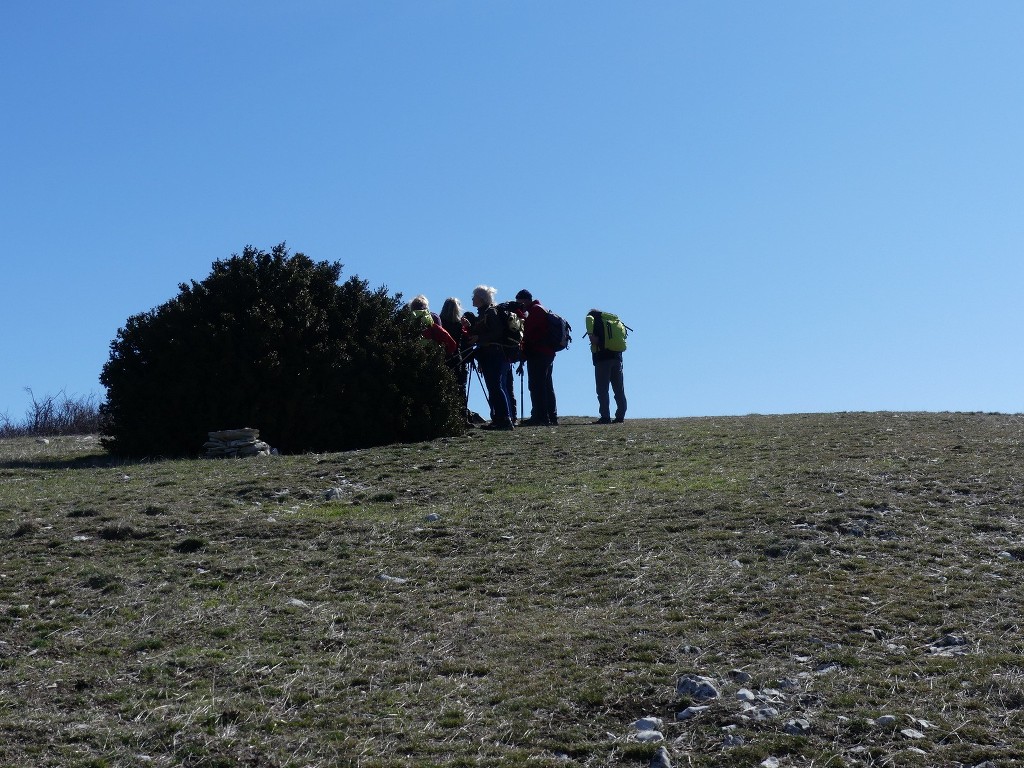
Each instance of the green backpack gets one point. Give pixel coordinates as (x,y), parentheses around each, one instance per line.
(611,332)
(513,325)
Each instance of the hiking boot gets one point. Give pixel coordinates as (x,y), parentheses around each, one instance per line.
(532,422)
(619,419)
(602,421)
(506,427)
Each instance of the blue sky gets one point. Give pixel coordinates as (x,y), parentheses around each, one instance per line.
(798,206)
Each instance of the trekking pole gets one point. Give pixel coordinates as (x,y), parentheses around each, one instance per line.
(482,387)
(521,395)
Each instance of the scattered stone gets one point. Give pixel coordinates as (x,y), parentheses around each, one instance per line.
(298,603)
(648,737)
(916,750)
(43,441)
(661,759)
(798,727)
(886,721)
(788,684)
(733,740)
(950,645)
(331,494)
(697,687)
(689,712)
(648,724)
(828,668)
(912,733)
(391,579)
(770,762)
(235,443)
(689,649)
(433,517)
(739,676)
(751,712)
(745,694)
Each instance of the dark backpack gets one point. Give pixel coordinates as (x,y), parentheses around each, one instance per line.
(559,332)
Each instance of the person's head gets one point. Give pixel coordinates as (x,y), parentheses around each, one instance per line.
(524,298)
(483,296)
(451,311)
(420,302)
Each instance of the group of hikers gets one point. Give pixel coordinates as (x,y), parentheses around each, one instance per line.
(497,336)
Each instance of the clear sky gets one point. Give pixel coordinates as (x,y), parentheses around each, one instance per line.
(797,206)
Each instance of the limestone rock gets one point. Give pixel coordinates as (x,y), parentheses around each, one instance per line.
(697,687)
(235,443)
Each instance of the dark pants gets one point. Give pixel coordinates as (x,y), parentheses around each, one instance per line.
(509,385)
(610,372)
(539,369)
(497,373)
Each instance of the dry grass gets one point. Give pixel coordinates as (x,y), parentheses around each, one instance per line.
(225,613)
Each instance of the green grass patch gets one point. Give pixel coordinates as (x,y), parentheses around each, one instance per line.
(521,599)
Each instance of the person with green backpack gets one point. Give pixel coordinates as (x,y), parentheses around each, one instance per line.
(607,335)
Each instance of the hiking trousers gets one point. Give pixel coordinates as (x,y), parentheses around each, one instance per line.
(497,373)
(609,372)
(539,370)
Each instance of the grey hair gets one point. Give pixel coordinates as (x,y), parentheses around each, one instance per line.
(485,290)
(420,302)
(451,311)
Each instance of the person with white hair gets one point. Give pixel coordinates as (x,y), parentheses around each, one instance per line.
(489,335)
(420,304)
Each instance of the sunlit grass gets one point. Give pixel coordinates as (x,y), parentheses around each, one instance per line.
(519,599)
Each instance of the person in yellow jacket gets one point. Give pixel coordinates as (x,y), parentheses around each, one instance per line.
(607,367)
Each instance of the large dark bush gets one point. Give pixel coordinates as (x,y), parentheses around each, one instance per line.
(273,341)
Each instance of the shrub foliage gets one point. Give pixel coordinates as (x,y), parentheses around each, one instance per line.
(59,414)
(273,341)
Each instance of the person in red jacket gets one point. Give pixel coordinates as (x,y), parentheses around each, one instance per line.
(539,356)
(432,327)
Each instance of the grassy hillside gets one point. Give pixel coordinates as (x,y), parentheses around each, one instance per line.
(851,585)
